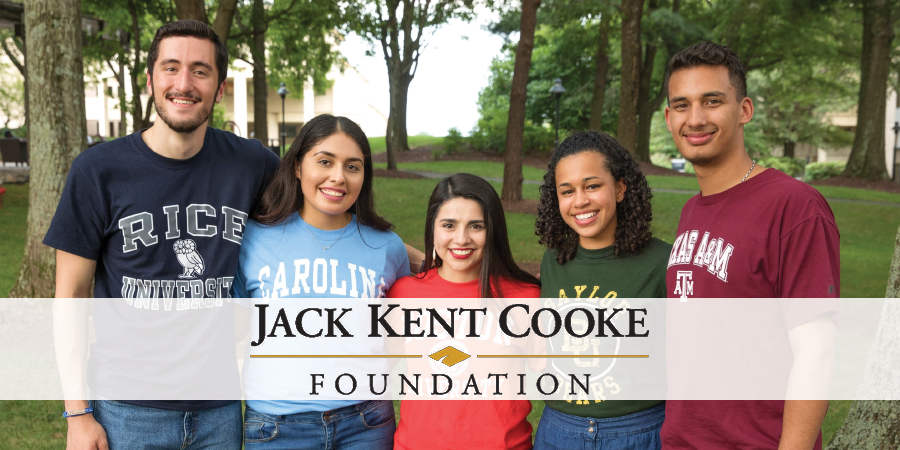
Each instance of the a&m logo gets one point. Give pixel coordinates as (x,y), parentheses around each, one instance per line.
(683,284)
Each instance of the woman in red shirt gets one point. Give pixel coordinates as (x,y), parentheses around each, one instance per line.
(468,256)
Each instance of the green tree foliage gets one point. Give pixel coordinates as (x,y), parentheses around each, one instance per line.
(304,45)
(286,41)
(802,59)
(489,133)
(122,48)
(793,100)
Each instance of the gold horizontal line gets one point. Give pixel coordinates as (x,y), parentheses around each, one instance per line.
(335,356)
(563,356)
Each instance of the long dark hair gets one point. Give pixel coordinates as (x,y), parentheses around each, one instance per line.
(283,197)
(633,214)
(498,261)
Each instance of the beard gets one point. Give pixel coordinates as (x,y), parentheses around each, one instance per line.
(188,125)
(700,160)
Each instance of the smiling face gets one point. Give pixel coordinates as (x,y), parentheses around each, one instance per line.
(588,194)
(705,116)
(184,83)
(460,235)
(331,177)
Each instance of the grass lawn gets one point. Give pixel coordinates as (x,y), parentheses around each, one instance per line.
(495,170)
(12,234)
(33,425)
(480,168)
(378,144)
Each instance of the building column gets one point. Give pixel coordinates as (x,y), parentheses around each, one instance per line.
(103,129)
(129,94)
(889,137)
(240,104)
(274,121)
(309,100)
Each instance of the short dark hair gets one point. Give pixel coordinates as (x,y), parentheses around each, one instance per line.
(633,213)
(191,28)
(710,54)
(498,261)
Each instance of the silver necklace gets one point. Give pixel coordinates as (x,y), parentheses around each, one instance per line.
(308,230)
(745,176)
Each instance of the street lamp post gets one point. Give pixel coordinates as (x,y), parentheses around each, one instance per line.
(894,175)
(283,92)
(557,90)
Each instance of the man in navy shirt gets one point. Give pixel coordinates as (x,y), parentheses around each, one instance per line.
(156,218)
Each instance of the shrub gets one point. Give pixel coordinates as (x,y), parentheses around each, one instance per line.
(490,135)
(823,170)
(454,142)
(661,159)
(791,166)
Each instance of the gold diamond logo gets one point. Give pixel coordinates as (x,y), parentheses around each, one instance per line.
(449,356)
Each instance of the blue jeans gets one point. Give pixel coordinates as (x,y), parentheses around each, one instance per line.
(137,427)
(638,431)
(364,426)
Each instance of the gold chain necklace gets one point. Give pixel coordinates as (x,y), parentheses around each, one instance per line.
(308,230)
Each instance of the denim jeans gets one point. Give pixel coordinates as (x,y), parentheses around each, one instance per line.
(638,431)
(137,427)
(364,426)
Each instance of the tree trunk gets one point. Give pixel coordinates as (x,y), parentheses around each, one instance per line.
(873,424)
(120,92)
(53,39)
(867,157)
(869,425)
(260,85)
(602,67)
(137,114)
(630,79)
(646,105)
(396,138)
(191,9)
(789,147)
(148,109)
(515,125)
(224,17)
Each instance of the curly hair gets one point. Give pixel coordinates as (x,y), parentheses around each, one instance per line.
(633,214)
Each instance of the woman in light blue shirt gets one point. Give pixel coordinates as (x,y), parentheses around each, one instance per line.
(316,234)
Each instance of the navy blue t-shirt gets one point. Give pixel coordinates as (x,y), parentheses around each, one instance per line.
(166,235)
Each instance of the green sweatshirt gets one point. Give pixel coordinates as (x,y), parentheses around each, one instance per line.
(601,274)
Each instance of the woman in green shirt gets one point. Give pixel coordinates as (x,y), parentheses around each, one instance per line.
(594,219)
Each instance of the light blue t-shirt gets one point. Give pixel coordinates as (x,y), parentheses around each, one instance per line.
(286,261)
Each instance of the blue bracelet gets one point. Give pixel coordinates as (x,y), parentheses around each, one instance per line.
(79,412)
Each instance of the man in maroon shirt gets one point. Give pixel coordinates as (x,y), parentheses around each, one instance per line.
(751,233)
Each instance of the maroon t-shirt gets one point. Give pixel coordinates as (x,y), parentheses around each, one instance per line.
(769,237)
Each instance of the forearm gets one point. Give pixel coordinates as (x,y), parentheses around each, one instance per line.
(809,384)
(70,335)
(802,423)
(70,325)
(416,258)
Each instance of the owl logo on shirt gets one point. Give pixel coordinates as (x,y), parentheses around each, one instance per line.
(186,250)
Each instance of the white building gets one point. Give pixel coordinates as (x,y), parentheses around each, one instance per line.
(347,97)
